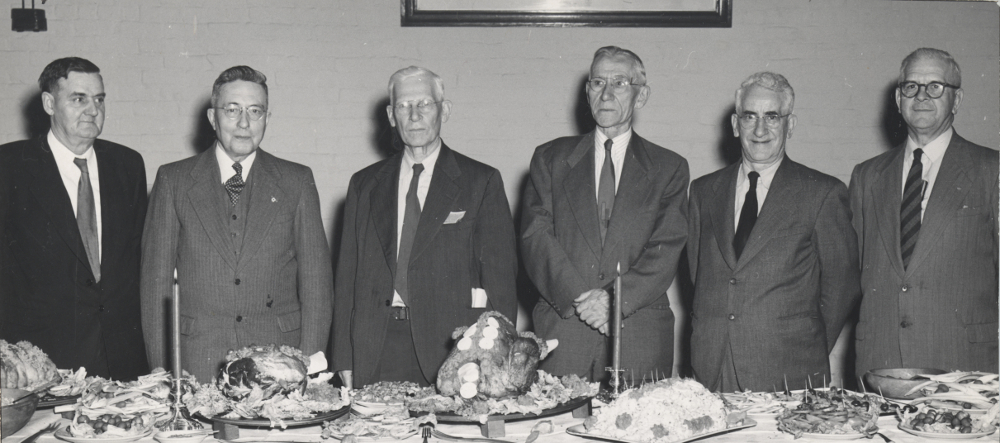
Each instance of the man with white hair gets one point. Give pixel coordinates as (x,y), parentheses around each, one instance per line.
(427,246)
(772,254)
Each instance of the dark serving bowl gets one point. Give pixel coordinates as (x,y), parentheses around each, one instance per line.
(895,383)
(16,415)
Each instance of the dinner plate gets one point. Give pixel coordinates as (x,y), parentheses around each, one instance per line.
(49,401)
(852,436)
(581,431)
(451,417)
(64,434)
(263,422)
(939,435)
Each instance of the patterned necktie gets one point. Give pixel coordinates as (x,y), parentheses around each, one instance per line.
(606,190)
(748,216)
(86,218)
(235,184)
(411,218)
(909,212)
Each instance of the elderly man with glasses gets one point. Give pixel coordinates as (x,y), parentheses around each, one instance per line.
(926,217)
(773,257)
(242,230)
(598,204)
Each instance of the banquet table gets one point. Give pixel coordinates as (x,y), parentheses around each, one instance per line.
(518,431)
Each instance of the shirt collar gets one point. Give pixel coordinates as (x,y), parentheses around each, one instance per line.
(619,143)
(62,154)
(933,151)
(226,164)
(429,161)
(766,174)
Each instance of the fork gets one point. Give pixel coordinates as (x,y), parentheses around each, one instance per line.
(50,428)
(425,432)
(887,439)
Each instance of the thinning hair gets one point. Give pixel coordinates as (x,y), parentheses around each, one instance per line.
(770,81)
(61,68)
(638,69)
(416,71)
(954,74)
(244,73)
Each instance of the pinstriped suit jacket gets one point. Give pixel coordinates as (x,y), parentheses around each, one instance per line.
(941,312)
(277,289)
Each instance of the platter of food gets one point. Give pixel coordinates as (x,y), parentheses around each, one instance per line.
(119,411)
(581,431)
(66,434)
(454,417)
(989,430)
(392,423)
(26,366)
(761,405)
(931,422)
(289,423)
(832,414)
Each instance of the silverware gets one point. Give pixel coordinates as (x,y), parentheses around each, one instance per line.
(50,428)
(443,436)
(425,432)
(887,439)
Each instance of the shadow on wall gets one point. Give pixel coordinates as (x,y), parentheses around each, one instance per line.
(893,125)
(583,119)
(203,136)
(36,121)
(729,149)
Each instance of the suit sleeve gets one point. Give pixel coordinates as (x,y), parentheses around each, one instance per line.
(347,267)
(694,232)
(159,258)
(651,273)
(315,271)
(840,272)
(496,248)
(545,260)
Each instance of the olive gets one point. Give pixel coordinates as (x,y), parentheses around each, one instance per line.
(884,407)
(962,415)
(966,430)
(967,405)
(956,423)
(977,382)
(941,388)
(966,421)
(83,419)
(855,403)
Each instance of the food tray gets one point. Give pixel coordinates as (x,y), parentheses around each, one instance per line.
(580,431)
(940,435)
(228,428)
(494,426)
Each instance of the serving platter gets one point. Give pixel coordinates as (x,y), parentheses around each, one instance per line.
(851,436)
(581,431)
(941,435)
(336,436)
(494,425)
(63,434)
(229,428)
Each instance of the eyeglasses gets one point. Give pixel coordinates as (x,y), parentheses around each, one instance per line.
(422,106)
(933,89)
(618,84)
(253,112)
(771,119)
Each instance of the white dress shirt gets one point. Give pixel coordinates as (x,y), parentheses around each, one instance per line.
(405,175)
(930,162)
(70,174)
(618,147)
(743,185)
(226,170)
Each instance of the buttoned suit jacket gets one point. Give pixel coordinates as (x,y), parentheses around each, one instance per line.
(941,311)
(47,291)
(447,261)
(563,254)
(277,289)
(780,307)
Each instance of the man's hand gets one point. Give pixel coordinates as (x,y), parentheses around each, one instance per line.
(593,308)
(346,377)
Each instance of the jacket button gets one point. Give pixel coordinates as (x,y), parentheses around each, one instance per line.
(239,318)
(234,216)
(905,288)
(237,281)
(90,282)
(732,281)
(100,308)
(732,316)
(904,324)
(600,276)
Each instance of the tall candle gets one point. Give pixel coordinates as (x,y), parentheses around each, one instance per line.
(617,327)
(176,332)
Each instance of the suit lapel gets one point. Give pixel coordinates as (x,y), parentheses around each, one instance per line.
(203,196)
(779,205)
(382,199)
(633,190)
(581,191)
(441,195)
(265,199)
(886,195)
(722,213)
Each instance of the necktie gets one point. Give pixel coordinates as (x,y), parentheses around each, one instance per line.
(235,183)
(909,212)
(410,219)
(86,218)
(606,190)
(748,216)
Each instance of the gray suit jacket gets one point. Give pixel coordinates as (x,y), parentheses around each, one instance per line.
(778,309)
(277,289)
(941,312)
(562,251)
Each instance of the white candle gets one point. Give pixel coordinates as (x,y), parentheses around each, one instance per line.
(617,329)
(175,316)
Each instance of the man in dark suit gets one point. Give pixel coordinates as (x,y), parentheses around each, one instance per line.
(593,203)
(71,215)
(772,256)
(428,245)
(926,217)
(243,230)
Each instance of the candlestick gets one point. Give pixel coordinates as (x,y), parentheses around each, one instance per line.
(180,421)
(617,329)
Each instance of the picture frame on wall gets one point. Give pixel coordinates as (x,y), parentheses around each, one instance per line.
(566,13)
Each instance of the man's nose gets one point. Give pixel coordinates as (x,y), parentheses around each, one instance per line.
(244,120)
(414,114)
(760,128)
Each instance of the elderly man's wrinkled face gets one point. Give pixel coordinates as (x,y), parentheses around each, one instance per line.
(612,105)
(762,126)
(77,108)
(925,115)
(239,118)
(417,111)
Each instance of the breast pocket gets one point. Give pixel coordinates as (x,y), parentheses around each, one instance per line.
(465,223)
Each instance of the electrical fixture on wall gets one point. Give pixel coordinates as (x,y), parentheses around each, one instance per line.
(23,19)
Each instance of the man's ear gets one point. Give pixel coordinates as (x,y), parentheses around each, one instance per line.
(49,103)
(734,120)
(389,111)
(898,98)
(644,92)
(958,100)
(445,110)
(791,125)
(211,118)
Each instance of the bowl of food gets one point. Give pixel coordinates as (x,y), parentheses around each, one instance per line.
(15,414)
(898,382)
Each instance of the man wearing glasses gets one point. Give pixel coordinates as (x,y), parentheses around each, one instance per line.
(428,245)
(926,217)
(597,202)
(772,254)
(242,229)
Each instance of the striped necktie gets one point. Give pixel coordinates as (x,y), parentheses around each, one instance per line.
(909,213)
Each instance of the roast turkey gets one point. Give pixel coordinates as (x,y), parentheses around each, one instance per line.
(25,366)
(267,370)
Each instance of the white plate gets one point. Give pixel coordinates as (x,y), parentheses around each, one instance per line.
(834,436)
(968,436)
(65,435)
(373,404)
(580,431)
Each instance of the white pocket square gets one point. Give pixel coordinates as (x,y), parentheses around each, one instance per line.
(454,217)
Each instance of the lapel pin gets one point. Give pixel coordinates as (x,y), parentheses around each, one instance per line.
(273,200)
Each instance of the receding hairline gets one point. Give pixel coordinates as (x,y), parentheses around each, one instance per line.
(437,84)
(614,52)
(770,81)
(953,72)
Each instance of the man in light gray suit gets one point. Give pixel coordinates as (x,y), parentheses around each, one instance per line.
(243,230)
(772,255)
(926,217)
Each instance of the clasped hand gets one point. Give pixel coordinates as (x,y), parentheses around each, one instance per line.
(594,308)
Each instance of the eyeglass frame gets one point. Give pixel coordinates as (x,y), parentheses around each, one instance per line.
(609,82)
(422,106)
(924,86)
(767,123)
(243,110)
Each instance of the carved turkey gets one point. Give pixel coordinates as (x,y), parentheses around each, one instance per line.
(269,370)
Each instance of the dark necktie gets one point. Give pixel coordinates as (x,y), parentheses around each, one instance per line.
(235,184)
(86,218)
(606,190)
(909,212)
(748,216)
(411,218)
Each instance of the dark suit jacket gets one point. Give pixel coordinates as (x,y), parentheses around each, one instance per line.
(277,289)
(780,308)
(941,312)
(447,261)
(562,251)
(47,290)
